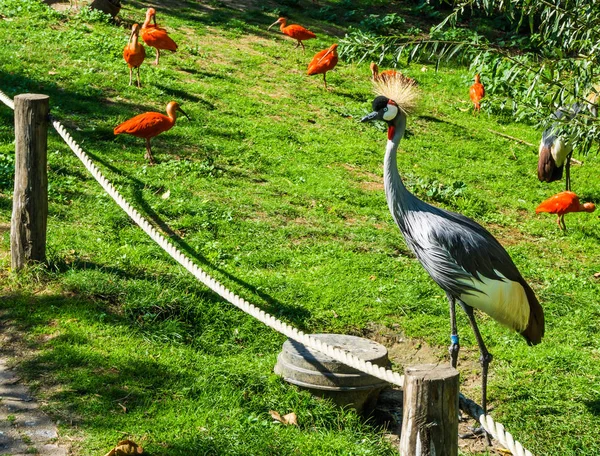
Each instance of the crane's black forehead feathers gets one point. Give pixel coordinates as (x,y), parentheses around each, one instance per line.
(380,102)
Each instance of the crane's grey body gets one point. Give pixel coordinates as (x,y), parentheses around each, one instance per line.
(458,253)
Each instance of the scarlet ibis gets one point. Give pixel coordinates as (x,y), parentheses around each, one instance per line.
(464,259)
(562,203)
(134,53)
(149,125)
(477,92)
(297,32)
(388,74)
(323,61)
(155,36)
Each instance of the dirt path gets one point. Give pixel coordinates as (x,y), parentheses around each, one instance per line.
(24,428)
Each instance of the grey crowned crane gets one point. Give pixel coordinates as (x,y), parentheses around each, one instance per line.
(466,261)
(554,152)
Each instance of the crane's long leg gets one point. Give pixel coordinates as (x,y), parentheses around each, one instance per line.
(325,79)
(157,56)
(568,172)
(454,346)
(148,155)
(138,77)
(485,359)
(303,48)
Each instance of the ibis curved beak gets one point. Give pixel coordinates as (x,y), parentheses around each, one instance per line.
(274,23)
(369,117)
(183,112)
(154,19)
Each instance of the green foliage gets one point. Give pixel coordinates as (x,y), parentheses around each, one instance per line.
(7,170)
(381,23)
(529,75)
(89,15)
(433,190)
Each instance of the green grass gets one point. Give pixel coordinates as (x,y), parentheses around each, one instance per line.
(275,190)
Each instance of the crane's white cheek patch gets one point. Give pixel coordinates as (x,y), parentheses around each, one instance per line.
(391,112)
(505,301)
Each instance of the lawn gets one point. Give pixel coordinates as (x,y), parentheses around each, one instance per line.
(276,190)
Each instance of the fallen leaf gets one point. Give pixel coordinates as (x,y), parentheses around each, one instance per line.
(125,448)
(52,72)
(166,194)
(123,407)
(372,277)
(290,418)
(597,275)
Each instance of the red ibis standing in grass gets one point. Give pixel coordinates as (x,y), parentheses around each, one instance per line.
(323,61)
(388,74)
(149,125)
(297,32)
(134,53)
(476,93)
(155,36)
(464,259)
(562,203)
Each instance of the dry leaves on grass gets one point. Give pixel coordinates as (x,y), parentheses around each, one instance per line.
(290,418)
(597,275)
(125,448)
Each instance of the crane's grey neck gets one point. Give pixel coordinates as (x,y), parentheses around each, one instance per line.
(398,197)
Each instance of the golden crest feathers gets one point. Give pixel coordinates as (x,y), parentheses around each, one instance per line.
(401,90)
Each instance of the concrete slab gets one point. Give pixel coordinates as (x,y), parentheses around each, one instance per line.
(24,428)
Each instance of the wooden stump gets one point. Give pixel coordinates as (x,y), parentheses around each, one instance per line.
(30,198)
(430,414)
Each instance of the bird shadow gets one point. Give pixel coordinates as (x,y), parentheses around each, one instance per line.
(207,74)
(182,95)
(298,314)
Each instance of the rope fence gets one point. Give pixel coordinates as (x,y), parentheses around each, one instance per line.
(495,429)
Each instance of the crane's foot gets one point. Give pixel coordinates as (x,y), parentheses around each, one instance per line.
(474,433)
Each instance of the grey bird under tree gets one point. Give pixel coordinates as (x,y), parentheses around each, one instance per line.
(555,153)
(465,260)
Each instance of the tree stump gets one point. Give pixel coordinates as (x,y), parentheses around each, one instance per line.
(430,413)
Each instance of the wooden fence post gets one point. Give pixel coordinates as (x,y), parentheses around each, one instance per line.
(30,198)
(430,412)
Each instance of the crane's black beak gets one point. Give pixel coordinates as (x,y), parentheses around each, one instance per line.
(373,116)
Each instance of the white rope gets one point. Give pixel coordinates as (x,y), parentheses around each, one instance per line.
(7,100)
(495,429)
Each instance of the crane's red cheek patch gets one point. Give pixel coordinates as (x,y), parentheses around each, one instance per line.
(391,131)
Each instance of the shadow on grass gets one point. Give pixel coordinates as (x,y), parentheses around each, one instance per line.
(593,407)
(60,356)
(296,314)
